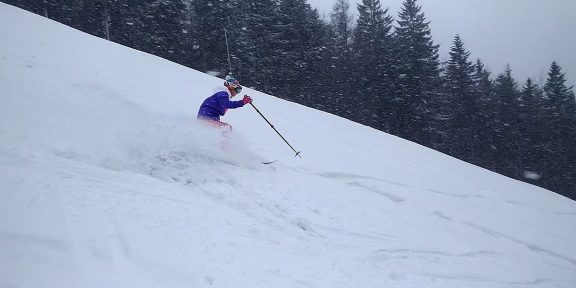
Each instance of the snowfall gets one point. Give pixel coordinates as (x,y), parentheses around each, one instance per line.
(108,180)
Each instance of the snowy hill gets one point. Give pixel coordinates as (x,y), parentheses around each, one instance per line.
(107,180)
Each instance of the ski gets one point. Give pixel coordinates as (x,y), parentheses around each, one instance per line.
(269,162)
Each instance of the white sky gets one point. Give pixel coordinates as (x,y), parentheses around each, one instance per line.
(527,34)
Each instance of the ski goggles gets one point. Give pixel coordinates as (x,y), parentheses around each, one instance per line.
(232,82)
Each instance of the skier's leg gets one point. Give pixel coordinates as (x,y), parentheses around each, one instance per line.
(226,132)
(224,127)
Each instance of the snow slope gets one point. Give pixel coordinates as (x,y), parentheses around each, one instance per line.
(107,180)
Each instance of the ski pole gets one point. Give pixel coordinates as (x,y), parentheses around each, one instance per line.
(297,152)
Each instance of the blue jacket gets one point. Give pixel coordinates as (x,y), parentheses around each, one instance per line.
(216,105)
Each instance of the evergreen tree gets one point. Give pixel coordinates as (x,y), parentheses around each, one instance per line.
(507,137)
(315,92)
(338,60)
(560,141)
(342,28)
(296,52)
(419,76)
(35,6)
(462,104)
(259,23)
(210,19)
(374,65)
(532,130)
(64,11)
(95,17)
(163,26)
(484,94)
(125,22)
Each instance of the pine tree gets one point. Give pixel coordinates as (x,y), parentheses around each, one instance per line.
(373,63)
(507,137)
(560,141)
(462,104)
(419,76)
(123,21)
(338,61)
(65,11)
(163,26)
(210,19)
(296,51)
(484,94)
(95,17)
(531,126)
(341,28)
(259,24)
(559,96)
(35,6)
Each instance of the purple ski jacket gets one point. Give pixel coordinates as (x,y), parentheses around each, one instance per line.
(216,105)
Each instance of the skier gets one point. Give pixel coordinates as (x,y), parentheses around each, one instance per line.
(217,104)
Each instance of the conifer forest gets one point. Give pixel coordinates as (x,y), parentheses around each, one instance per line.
(377,69)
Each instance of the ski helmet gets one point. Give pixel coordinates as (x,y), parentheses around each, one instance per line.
(231,82)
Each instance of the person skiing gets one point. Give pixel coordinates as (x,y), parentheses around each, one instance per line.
(217,104)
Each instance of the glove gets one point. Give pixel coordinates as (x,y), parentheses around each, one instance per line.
(247,99)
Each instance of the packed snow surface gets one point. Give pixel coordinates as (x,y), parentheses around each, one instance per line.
(108,180)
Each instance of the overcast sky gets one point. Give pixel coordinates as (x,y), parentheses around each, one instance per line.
(527,34)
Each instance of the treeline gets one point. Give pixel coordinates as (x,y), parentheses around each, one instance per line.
(378,70)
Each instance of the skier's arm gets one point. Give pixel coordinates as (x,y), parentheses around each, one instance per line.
(226,103)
